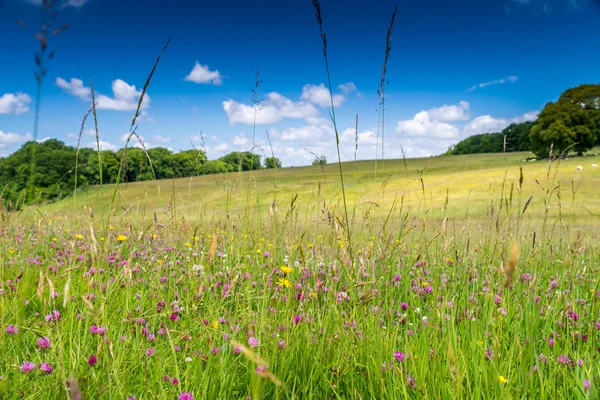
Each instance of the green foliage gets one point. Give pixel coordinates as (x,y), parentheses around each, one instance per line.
(517,139)
(242,161)
(54,173)
(322,160)
(272,162)
(573,122)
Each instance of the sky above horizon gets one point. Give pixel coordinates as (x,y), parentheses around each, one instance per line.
(456,68)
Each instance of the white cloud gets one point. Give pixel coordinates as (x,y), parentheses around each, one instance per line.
(74,87)
(161,139)
(125,98)
(320,96)
(317,121)
(138,141)
(307,134)
(273,109)
(43,139)
(451,112)
(430,124)
(66,3)
(8,138)
(202,74)
(366,138)
(222,147)
(508,79)
(103,145)
(421,126)
(75,3)
(17,103)
(347,88)
(489,124)
(241,140)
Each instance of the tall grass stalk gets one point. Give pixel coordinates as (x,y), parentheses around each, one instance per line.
(132,130)
(77,154)
(97,133)
(383,83)
(317,7)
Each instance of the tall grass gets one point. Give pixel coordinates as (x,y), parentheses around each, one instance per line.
(441,303)
(347,227)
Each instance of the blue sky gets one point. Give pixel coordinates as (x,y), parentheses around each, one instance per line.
(456,68)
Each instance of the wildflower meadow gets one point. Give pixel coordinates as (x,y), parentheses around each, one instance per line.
(452,277)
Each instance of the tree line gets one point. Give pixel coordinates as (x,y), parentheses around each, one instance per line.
(571,124)
(59,166)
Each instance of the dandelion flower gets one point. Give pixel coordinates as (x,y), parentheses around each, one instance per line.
(285,269)
(121,238)
(284,282)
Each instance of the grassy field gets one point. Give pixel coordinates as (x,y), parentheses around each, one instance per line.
(464,277)
(422,184)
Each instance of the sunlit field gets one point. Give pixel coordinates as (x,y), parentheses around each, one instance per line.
(459,276)
(464,280)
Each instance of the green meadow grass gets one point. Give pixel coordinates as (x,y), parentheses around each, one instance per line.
(431,305)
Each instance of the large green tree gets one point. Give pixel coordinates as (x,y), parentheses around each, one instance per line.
(272,162)
(242,161)
(571,123)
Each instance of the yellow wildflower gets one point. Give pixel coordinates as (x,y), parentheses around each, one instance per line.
(502,379)
(11,250)
(284,282)
(285,269)
(215,324)
(78,236)
(121,238)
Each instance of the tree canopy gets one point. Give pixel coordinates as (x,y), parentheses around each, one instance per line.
(572,122)
(272,162)
(517,139)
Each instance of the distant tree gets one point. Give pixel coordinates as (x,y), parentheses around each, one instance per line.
(272,162)
(322,160)
(53,176)
(571,122)
(242,161)
(216,167)
(189,162)
(518,136)
(517,139)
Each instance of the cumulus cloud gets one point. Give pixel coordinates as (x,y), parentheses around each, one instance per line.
(422,126)
(305,134)
(103,145)
(320,95)
(489,124)
(366,138)
(273,109)
(459,112)
(17,103)
(202,74)
(508,79)
(66,3)
(432,123)
(161,139)
(347,88)
(125,96)
(8,138)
